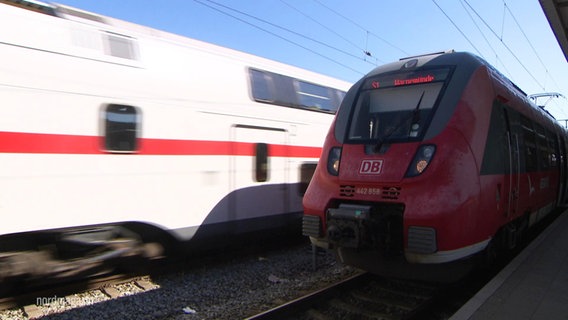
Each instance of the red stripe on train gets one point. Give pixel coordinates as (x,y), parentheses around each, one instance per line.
(17,142)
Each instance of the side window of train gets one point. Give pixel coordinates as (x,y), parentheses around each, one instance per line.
(495,157)
(553,148)
(277,89)
(529,139)
(517,142)
(262,85)
(121,128)
(307,170)
(542,147)
(120,46)
(261,162)
(313,96)
(339,95)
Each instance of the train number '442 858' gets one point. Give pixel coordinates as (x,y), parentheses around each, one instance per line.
(368,191)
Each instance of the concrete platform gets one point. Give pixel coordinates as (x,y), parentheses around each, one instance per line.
(533,286)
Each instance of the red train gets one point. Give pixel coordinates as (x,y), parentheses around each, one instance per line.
(432,160)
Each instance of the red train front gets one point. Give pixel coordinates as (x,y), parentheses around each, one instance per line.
(430,161)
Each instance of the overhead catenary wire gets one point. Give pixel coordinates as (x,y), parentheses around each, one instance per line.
(211,4)
(361,27)
(555,97)
(502,33)
(485,38)
(504,44)
(458,28)
(326,27)
(502,40)
(530,43)
(503,24)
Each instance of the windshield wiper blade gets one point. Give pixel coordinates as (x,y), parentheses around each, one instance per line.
(415,114)
(394,129)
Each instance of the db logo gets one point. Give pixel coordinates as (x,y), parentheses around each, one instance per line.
(371,167)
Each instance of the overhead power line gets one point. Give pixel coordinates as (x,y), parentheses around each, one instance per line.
(530,43)
(211,4)
(361,27)
(458,28)
(322,25)
(485,38)
(504,44)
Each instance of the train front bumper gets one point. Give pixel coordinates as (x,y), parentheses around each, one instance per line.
(358,227)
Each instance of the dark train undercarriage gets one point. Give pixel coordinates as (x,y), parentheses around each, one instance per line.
(48,257)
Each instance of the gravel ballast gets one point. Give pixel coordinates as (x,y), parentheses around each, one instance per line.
(232,289)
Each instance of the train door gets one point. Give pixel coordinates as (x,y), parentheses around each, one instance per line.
(512,177)
(562,167)
(259,172)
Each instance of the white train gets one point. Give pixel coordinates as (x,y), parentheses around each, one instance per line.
(105,124)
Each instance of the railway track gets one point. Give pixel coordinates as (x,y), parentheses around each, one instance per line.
(36,303)
(363,296)
(29,299)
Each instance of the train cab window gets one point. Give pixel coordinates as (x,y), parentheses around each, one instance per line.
(396,106)
(315,97)
(261,162)
(121,128)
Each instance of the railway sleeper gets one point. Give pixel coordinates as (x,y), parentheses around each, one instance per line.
(393,301)
(350,309)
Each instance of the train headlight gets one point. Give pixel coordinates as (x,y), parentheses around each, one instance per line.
(421,160)
(333,160)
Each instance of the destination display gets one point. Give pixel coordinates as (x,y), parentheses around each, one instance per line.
(407,78)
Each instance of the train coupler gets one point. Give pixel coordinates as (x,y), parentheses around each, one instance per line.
(346,224)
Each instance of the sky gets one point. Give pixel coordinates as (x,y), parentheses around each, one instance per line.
(346,39)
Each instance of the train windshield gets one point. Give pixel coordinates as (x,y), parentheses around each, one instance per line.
(396,107)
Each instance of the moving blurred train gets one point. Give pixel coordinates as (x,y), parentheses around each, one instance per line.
(114,136)
(430,161)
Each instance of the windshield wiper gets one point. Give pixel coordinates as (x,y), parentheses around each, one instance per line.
(415,116)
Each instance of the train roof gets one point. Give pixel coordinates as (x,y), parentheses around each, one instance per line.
(451,57)
(135,30)
(465,64)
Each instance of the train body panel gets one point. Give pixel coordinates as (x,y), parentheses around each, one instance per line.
(106,122)
(429,161)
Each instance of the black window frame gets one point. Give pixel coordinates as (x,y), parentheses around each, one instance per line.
(261,162)
(390,81)
(314,96)
(277,89)
(121,136)
(530,148)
